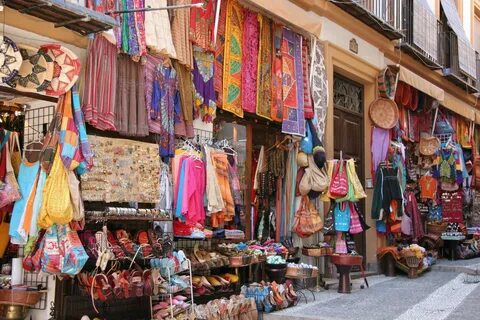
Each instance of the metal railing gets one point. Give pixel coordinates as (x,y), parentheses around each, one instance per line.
(422,30)
(389,11)
(459,59)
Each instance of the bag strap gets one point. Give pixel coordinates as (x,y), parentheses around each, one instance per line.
(9,161)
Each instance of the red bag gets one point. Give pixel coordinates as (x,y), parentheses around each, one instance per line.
(339,183)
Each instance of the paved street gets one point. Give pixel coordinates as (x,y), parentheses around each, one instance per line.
(439,294)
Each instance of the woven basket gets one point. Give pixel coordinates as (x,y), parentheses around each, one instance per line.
(19,297)
(412,261)
(408,253)
(292,272)
(384,113)
(317,252)
(436,228)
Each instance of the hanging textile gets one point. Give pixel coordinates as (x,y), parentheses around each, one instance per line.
(158,34)
(264,77)
(180,35)
(319,86)
(186,94)
(140,27)
(203,67)
(379,146)
(232,66)
(249,60)
(277,89)
(202,22)
(293,113)
(98,101)
(219,54)
(131,118)
(162,108)
(307,98)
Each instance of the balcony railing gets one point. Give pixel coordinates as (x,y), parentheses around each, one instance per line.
(421,33)
(385,16)
(459,61)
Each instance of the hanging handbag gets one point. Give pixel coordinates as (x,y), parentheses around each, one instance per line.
(355,225)
(31,262)
(342,216)
(15,155)
(51,256)
(50,141)
(442,125)
(307,220)
(319,180)
(406,225)
(340,244)
(306,144)
(56,205)
(339,183)
(9,189)
(74,255)
(76,197)
(329,221)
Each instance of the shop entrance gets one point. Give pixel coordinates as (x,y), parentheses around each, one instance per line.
(348,132)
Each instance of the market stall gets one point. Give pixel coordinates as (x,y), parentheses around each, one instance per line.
(422,161)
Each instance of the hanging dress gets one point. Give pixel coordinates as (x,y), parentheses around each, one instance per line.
(203,84)
(26,179)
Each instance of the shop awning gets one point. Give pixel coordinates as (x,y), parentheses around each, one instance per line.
(65,14)
(421,84)
(288,13)
(477,116)
(459,107)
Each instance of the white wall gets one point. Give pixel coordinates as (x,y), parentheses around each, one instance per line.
(467,18)
(341,37)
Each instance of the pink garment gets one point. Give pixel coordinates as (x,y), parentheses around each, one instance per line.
(380,145)
(251,32)
(195,183)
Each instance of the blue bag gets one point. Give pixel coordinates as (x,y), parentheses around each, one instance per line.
(342,216)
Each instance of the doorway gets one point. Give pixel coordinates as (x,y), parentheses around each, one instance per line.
(348,128)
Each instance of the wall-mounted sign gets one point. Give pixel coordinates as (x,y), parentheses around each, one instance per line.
(353,46)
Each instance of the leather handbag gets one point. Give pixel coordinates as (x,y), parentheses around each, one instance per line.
(318,177)
(307,220)
(339,183)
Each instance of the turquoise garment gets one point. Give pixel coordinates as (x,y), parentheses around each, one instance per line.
(181,184)
(26,179)
(37,203)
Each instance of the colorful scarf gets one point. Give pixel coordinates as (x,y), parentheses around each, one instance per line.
(277,92)
(318,82)
(307,98)
(293,117)
(232,67)
(250,60)
(203,83)
(219,54)
(264,77)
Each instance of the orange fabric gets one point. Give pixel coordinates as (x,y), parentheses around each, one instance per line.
(428,187)
(220,162)
(29,207)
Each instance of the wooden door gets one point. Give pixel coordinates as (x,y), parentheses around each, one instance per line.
(349,133)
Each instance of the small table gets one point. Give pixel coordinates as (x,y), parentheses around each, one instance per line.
(451,243)
(344,264)
(320,283)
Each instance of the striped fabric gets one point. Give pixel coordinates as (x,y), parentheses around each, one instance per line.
(68,138)
(98,100)
(83,155)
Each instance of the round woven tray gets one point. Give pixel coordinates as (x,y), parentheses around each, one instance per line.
(384,113)
(19,297)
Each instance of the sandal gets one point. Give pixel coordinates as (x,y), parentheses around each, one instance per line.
(136,284)
(114,246)
(127,245)
(142,239)
(148,283)
(155,243)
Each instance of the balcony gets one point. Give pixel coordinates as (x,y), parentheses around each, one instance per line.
(421,33)
(385,16)
(459,61)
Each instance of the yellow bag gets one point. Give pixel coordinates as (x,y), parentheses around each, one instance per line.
(4,227)
(56,205)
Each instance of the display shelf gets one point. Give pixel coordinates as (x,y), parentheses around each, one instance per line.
(124,218)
